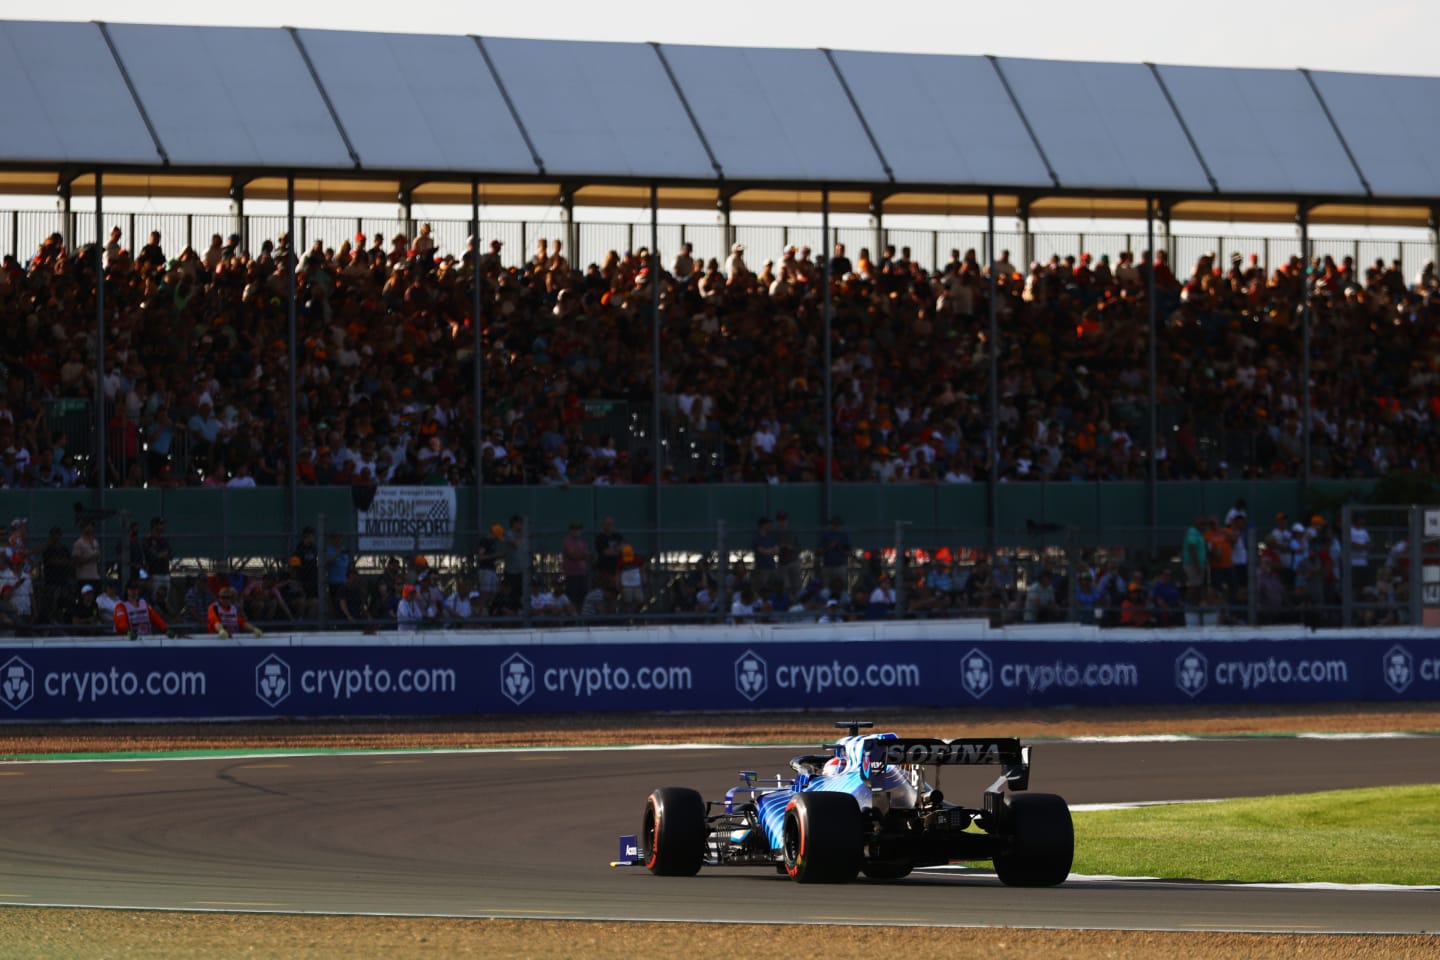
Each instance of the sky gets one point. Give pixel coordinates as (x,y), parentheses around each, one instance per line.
(1379,36)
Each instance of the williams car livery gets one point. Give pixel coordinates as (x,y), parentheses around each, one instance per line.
(863,806)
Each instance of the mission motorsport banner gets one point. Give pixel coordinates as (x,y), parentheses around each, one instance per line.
(204,681)
(407,520)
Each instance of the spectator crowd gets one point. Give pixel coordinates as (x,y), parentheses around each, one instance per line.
(133,586)
(195,366)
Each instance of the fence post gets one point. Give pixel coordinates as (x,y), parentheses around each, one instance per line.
(722,590)
(321,604)
(900,568)
(1417,566)
(524,555)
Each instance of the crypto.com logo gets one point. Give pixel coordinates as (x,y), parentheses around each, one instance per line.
(1191,672)
(977,673)
(1399,668)
(17,683)
(272,681)
(752,675)
(517,679)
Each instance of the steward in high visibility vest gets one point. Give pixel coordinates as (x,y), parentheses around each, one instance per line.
(136,618)
(225,618)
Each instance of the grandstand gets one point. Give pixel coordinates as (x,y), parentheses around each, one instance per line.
(748,364)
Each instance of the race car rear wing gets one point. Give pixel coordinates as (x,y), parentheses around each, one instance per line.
(1013,758)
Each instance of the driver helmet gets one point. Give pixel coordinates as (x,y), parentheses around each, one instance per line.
(834,766)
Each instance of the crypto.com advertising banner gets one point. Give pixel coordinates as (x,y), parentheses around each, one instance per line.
(198,681)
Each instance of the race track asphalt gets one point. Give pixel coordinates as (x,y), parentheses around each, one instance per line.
(531,834)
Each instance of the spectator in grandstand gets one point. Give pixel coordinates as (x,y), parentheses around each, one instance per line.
(630,575)
(608,542)
(85,553)
(106,600)
(515,561)
(349,598)
(550,600)
(766,548)
(488,554)
(1135,610)
(1040,606)
(17,594)
(430,594)
(305,575)
(1359,547)
(198,598)
(882,599)
(1272,599)
(57,577)
(83,612)
(575,563)
(262,599)
(157,553)
(600,601)
(1087,596)
(1169,608)
(337,566)
(461,603)
(835,551)
(408,613)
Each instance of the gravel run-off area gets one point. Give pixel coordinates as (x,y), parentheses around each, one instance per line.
(46,933)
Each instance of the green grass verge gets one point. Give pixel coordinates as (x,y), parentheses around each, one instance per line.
(1376,835)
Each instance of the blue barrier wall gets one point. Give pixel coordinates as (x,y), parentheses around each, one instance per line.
(204,681)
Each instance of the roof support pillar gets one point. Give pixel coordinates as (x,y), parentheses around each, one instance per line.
(1027,243)
(656,447)
(827,505)
(101,420)
(292,395)
(1302,217)
(238,224)
(67,214)
(477,347)
(1434,225)
(570,228)
(992,469)
(877,222)
(727,228)
(1152,475)
(407,210)
(1169,238)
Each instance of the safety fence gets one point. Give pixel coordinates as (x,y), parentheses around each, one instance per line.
(567,566)
(21,232)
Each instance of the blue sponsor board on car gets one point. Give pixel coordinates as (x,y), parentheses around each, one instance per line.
(200,681)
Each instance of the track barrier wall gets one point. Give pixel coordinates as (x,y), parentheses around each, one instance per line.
(736,668)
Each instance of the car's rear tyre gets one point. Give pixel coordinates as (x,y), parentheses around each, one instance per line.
(822,838)
(1039,845)
(673,833)
(887,870)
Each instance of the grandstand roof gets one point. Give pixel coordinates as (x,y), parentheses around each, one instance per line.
(167,110)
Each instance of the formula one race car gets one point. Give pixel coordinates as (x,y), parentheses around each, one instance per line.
(864,806)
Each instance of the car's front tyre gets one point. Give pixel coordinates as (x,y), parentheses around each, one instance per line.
(822,837)
(673,832)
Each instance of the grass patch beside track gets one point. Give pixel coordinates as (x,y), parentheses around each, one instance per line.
(1374,835)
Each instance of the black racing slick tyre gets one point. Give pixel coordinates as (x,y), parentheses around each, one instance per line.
(673,833)
(886,870)
(1040,841)
(822,837)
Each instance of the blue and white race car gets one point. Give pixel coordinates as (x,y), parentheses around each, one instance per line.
(864,807)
